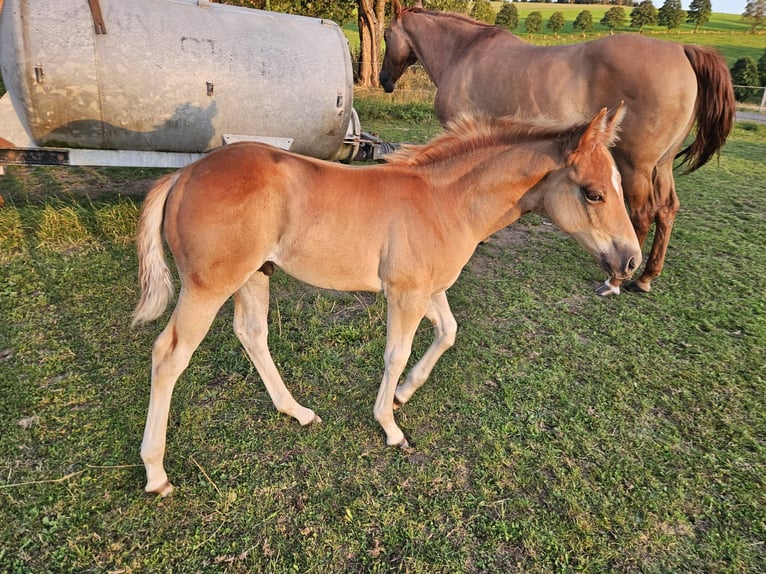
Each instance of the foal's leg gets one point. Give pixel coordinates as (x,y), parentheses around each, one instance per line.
(666,206)
(171,352)
(445,330)
(251,307)
(405,310)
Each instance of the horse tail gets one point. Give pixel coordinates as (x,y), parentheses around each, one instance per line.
(715,109)
(153,274)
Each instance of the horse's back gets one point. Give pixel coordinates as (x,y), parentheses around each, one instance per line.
(572,82)
(512,77)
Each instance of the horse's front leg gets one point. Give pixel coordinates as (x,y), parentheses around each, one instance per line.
(637,186)
(405,310)
(609,287)
(445,330)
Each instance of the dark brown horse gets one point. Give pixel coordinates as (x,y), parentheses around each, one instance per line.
(666,87)
(406,228)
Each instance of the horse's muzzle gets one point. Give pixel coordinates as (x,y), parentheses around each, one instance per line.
(386,81)
(621,264)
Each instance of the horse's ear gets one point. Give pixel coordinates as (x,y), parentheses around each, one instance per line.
(594,134)
(613,124)
(418,4)
(602,129)
(397,8)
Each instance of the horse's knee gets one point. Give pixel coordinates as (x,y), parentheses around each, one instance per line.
(447,335)
(396,360)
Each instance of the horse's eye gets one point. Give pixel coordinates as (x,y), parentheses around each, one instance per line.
(591,195)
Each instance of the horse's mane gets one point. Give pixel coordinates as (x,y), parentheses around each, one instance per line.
(479,131)
(451,15)
(483,29)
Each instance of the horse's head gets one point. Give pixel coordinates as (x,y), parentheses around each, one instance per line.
(585,198)
(399,54)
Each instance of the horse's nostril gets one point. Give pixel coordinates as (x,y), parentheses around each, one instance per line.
(631,264)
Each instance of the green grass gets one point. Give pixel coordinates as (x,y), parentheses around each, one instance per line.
(563,432)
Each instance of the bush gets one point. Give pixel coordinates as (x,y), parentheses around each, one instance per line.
(482,11)
(508,17)
(744,73)
(762,69)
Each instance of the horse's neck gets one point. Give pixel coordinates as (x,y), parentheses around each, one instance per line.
(495,191)
(438,41)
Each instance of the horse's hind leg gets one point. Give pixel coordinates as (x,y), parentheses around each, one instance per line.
(251,308)
(171,352)
(445,329)
(666,206)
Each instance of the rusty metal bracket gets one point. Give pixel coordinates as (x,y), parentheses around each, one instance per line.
(98,18)
(34,156)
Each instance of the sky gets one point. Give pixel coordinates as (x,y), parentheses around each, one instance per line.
(725,6)
(729,6)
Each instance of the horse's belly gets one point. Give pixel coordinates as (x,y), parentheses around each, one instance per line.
(334,273)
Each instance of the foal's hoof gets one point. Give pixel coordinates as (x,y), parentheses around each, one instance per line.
(606,289)
(404,444)
(163,490)
(315,420)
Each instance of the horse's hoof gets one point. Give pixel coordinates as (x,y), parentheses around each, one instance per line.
(163,490)
(397,403)
(403,444)
(316,420)
(636,287)
(606,289)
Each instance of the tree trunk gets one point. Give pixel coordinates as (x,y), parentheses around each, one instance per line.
(371,20)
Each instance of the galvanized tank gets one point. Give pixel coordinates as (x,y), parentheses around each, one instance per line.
(174,75)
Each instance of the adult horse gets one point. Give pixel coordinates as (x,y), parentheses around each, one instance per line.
(406,228)
(666,87)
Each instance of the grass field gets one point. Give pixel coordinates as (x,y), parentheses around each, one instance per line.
(563,432)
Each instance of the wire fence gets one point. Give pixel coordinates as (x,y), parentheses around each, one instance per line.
(753,95)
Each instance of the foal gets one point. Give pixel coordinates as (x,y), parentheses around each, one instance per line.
(406,229)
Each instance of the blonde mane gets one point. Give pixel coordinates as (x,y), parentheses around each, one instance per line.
(480,131)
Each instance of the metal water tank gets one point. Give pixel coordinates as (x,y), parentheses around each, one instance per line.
(174,75)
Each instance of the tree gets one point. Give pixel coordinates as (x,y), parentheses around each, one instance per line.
(615,17)
(645,14)
(744,73)
(556,23)
(583,22)
(339,11)
(458,6)
(370,18)
(699,13)
(671,14)
(482,11)
(755,14)
(508,16)
(533,22)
